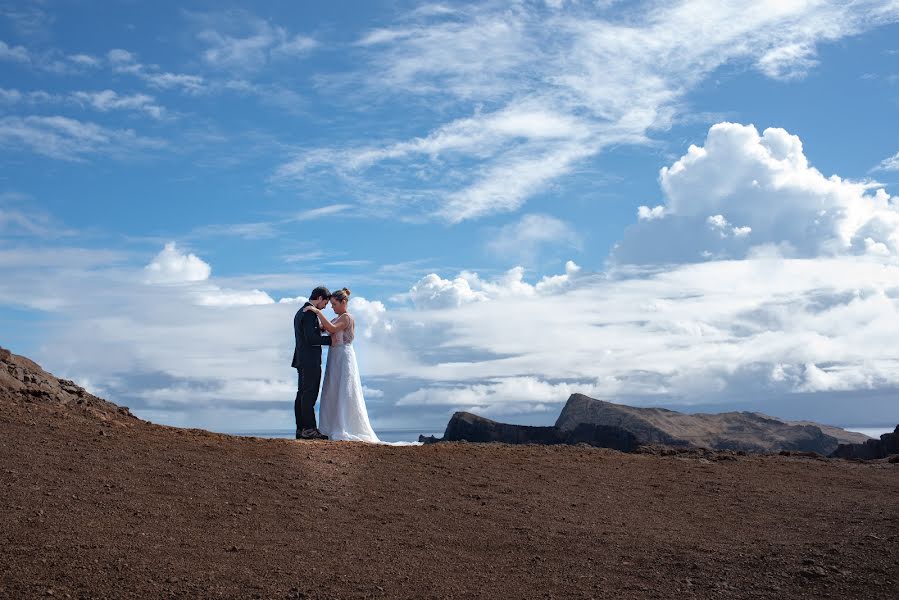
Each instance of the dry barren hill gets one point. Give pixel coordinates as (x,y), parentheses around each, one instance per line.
(98,504)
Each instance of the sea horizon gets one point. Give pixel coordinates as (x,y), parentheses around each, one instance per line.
(411,435)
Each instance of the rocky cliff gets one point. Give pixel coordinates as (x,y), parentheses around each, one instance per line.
(887,445)
(600,423)
(472,428)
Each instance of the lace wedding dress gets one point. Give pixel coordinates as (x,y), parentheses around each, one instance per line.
(342,414)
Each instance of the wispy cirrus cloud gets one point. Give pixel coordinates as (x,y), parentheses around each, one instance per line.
(123,61)
(611,82)
(523,239)
(888,164)
(107,100)
(272,228)
(19,218)
(319,212)
(29,20)
(69,139)
(238,41)
(103,101)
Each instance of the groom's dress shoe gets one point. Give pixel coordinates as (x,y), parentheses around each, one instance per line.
(313,434)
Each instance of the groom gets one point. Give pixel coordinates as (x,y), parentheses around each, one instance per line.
(307,360)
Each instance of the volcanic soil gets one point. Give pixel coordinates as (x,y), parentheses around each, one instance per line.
(116,507)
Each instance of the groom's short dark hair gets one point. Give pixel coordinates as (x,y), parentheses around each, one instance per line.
(320,292)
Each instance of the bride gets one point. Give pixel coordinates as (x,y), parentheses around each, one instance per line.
(342,415)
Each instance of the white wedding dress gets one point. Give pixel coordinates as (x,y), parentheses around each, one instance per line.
(342,414)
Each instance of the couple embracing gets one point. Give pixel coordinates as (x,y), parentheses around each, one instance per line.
(343,414)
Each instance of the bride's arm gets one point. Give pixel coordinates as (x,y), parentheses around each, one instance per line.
(327,325)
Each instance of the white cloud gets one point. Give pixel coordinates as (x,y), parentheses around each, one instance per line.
(107,100)
(720,331)
(644,213)
(247,231)
(123,61)
(173,266)
(252,51)
(371,317)
(790,61)
(164,80)
(320,212)
(84,60)
(525,237)
(120,56)
(742,191)
(19,218)
(434,292)
(10,96)
(598,82)
(69,139)
(888,164)
(190,274)
(504,397)
(14,53)
(220,297)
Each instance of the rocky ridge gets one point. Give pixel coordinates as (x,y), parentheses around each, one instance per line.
(627,428)
(473,428)
(23,380)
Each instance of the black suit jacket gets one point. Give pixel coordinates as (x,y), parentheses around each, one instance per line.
(309,340)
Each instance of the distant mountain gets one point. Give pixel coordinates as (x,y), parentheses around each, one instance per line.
(605,424)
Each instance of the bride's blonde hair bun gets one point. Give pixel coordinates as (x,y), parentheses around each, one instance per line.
(342,295)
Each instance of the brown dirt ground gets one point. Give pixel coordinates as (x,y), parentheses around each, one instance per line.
(126,509)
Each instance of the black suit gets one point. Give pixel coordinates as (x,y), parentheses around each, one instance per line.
(307,360)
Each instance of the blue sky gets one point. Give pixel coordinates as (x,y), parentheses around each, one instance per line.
(689,204)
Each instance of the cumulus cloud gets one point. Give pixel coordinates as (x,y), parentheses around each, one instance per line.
(173,266)
(644,213)
(742,191)
(433,291)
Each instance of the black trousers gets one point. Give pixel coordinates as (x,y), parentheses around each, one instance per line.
(310,378)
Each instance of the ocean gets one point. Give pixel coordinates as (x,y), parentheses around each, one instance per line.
(874,432)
